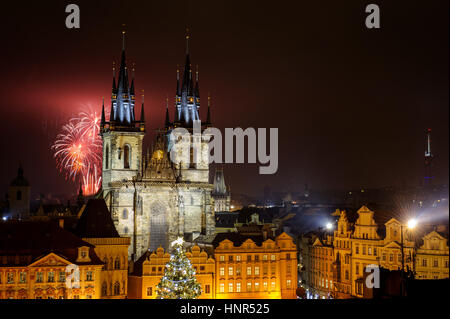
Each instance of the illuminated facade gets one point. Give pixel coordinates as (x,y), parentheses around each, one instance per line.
(150,268)
(432,257)
(96,227)
(152,199)
(29,271)
(251,270)
(360,244)
(267,270)
(321,265)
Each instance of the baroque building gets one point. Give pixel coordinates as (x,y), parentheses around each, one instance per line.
(152,198)
(360,241)
(238,267)
(95,226)
(34,261)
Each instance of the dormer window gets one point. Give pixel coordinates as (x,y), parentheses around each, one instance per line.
(83,254)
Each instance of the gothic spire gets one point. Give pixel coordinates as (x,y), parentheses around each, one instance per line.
(114,88)
(208,115)
(167,122)
(197,90)
(102,121)
(132,81)
(142,109)
(178,81)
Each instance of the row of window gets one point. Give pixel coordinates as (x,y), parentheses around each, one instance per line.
(369,250)
(435,263)
(237,287)
(10,277)
(255,257)
(342,243)
(251,270)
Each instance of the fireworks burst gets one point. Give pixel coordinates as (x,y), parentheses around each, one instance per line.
(78,151)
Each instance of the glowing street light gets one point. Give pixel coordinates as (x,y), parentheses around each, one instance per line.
(329,226)
(412,223)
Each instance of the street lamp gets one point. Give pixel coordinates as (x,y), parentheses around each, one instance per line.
(411,224)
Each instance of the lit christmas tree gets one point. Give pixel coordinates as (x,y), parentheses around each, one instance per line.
(179,280)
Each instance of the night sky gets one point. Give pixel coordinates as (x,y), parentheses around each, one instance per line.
(351,104)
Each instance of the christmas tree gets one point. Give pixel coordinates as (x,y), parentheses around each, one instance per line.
(178,281)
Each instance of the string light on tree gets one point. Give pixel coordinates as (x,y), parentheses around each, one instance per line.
(178,281)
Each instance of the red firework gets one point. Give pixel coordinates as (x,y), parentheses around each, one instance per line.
(78,151)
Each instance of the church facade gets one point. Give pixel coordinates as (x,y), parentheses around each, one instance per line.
(152,199)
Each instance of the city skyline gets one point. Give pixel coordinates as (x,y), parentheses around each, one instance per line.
(349,115)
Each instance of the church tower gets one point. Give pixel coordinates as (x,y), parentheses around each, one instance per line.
(122,135)
(19,196)
(193,167)
(220,194)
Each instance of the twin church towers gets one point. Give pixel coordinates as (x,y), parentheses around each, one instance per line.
(151,199)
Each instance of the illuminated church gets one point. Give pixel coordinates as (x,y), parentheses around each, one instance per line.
(153,200)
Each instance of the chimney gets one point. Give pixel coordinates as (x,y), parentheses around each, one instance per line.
(61,222)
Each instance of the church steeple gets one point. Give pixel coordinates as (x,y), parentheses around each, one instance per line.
(188,96)
(167,121)
(122,108)
(208,115)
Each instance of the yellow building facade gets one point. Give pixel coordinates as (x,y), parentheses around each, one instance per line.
(361,243)
(432,257)
(251,271)
(96,227)
(245,271)
(149,270)
(71,270)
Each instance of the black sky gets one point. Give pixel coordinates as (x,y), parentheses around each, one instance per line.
(351,104)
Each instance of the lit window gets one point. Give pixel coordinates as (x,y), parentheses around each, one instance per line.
(222,287)
(273,285)
(249,286)
(10,278)
(222,271)
(238,258)
(272,257)
(222,258)
(256,286)
(256,271)
(265,285)
(230,271)
(238,287)
(264,257)
(288,283)
(249,270)
(230,287)
(23,277)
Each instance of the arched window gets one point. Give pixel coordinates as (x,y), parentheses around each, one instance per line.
(117,288)
(107,157)
(19,195)
(126,156)
(117,263)
(125,214)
